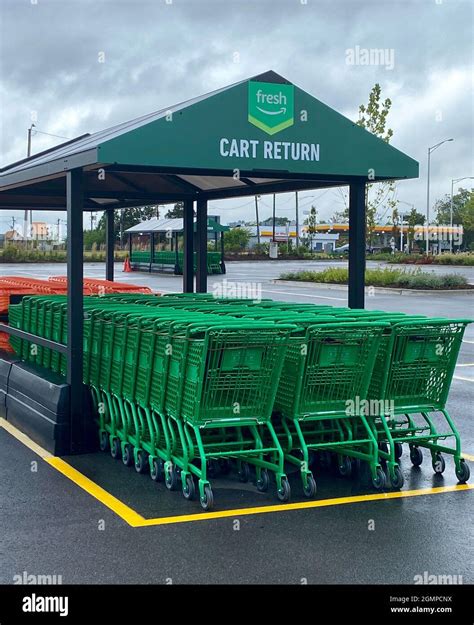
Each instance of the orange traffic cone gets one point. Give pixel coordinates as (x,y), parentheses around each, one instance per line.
(126,266)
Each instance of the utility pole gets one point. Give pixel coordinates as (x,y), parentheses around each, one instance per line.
(256,215)
(297,240)
(58,230)
(25,217)
(13,224)
(274,209)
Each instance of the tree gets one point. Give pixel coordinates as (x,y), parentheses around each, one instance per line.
(279,221)
(94,237)
(236,240)
(125,218)
(414,218)
(340,217)
(373,118)
(311,223)
(463,213)
(177,212)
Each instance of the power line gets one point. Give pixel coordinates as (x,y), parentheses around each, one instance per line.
(35,132)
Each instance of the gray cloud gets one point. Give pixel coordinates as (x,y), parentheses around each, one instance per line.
(157,54)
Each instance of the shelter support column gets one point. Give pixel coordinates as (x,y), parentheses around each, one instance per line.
(109,243)
(201,231)
(75,273)
(188,248)
(357,221)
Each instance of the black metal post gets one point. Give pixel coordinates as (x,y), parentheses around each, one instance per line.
(357,244)
(176,254)
(201,232)
(109,243)
(75,195)
(188,247)
(222,253)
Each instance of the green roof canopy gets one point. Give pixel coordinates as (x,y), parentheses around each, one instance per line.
(261,135)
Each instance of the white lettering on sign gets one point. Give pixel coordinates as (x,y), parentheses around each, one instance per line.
(271,150)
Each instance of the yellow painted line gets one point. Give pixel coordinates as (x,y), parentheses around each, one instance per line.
(122,510)
(134,519)
(463,364)
(304,505)
(468,457)
(23,438)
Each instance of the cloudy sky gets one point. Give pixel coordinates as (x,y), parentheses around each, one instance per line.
(159,52)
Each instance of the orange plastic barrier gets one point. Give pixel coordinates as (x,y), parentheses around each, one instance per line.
(55,285)
(106,286)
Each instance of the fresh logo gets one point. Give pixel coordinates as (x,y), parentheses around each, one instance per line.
(271,106)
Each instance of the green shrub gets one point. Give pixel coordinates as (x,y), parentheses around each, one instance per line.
(386,277)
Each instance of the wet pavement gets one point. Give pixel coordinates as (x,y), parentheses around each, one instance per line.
(50,525)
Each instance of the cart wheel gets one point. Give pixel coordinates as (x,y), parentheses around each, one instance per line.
(345,467)
(244,473)
(397,479)
(104,441)
(142,463)
(438,463)
(416,456)
(115,449)
(398,451)
(224,466)
(156,470)
(207,501)
(463,473)
(284,492)
(379,481)
(310,488)
(189,490)
(171,478)
(264,481)
(127,455)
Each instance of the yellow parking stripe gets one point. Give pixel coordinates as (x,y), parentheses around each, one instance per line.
(134,519)
(23,438)
(468,457)
(122,510)
(304,505)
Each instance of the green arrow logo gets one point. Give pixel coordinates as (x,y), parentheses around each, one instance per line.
(271,106)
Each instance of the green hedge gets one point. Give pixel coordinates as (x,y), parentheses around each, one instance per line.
(396,278)
(13,254)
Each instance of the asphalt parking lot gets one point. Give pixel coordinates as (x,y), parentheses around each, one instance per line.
(55,524)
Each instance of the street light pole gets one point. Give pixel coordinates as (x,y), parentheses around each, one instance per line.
(430,150)
(401,226)
(297,224)
(453,182)
(257,197)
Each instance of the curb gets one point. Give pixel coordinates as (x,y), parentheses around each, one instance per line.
(377,289)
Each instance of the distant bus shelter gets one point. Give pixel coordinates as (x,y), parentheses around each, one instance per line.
(158,245)
(261,135)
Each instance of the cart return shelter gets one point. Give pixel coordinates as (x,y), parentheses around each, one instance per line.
(260,135)
(157,245)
